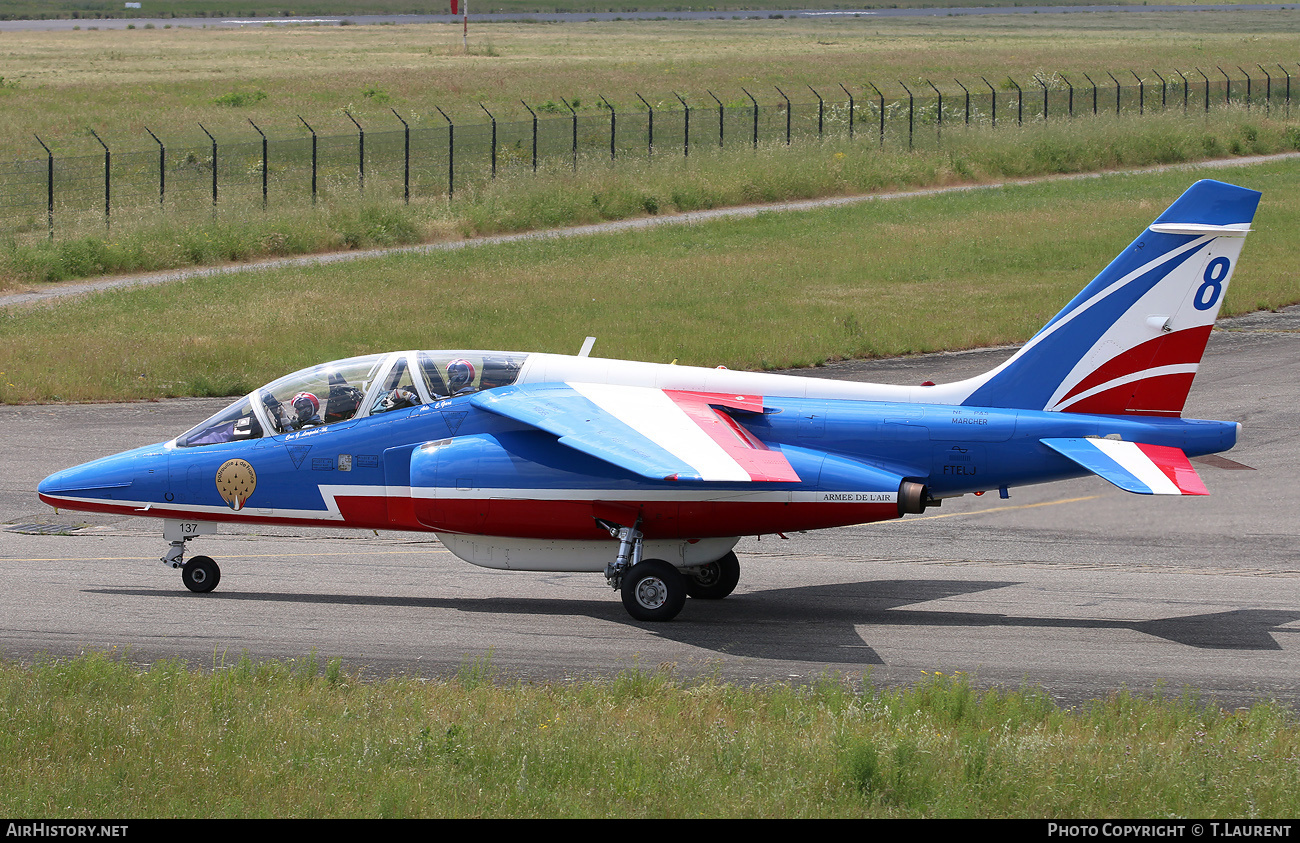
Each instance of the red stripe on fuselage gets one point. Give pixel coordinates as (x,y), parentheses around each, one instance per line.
(522,518)
(576,519)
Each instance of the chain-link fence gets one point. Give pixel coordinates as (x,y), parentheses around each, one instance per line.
(49,192)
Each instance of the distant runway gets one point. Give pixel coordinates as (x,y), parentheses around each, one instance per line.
(563,17)
(1077,587)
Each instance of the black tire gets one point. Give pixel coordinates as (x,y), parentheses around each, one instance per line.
(201,574)
(715,580)
(653,590)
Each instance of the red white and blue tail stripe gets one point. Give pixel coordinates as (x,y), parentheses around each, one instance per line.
(1133,466)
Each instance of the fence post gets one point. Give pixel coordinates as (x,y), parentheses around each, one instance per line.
(650,135)
(850,96)
(108,180)
(1020,102)
(1288,89)
(451,154)
(1164,89)
(882,113)
(1142,95)
(967,92)
(1227,88)
(574,141)
(1116,81)
(686,126)
(361,152)
(613,124)
(1039,80)
(720,118)
(49,185)
(938,131)
(162,166)
(1069,85)
(995,101)
(821,111)
(406,155)
(534,113)
(1186,88)
(787,114)
(1248,80)
(313,158)
(1268,91)
(755,102)
(1094,93)
(494,138)
(1207,89)
(910,113)
(214,167)
(264,167)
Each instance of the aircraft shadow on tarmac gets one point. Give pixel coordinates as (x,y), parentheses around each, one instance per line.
(814,623)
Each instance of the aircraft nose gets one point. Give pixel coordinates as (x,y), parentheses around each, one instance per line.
(93,478)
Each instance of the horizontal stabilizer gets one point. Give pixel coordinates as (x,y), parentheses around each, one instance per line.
(660,434)
(1133,466)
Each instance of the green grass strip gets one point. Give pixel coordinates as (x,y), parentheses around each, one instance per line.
(96,737)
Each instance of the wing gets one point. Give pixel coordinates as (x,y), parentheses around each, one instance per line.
(660,434)
(1133,466)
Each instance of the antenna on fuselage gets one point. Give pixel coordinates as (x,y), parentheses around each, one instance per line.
(586,346)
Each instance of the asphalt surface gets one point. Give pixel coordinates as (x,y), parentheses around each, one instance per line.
(1076,587)
(578,17)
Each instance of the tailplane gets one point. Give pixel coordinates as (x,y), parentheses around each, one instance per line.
(1131,341)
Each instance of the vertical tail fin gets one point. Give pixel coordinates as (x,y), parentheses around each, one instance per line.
(1131,341)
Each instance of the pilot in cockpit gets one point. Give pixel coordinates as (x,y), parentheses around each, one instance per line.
(306,411)
(460,376)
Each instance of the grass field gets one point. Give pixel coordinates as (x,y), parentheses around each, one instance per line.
(955,271)
(96,737)
(57,84)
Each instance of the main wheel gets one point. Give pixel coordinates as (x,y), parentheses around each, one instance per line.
(653,590)
(715,580)
(200,574)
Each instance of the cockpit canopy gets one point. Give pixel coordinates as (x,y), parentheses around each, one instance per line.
(355,388)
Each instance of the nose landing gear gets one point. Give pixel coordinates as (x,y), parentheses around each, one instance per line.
(200,574)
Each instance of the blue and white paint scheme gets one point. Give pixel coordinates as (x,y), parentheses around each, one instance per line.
(650,473)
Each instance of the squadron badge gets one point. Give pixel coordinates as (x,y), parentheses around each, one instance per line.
(236,481)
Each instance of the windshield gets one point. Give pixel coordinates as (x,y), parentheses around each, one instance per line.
(354,388)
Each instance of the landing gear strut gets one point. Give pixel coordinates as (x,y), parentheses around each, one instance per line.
(200,574)
(652,589)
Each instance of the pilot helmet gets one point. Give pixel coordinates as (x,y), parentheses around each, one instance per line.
(305,405)
(460,374)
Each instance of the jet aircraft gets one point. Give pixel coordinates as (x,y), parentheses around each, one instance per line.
(650,473)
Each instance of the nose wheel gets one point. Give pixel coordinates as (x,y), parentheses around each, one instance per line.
(201,574)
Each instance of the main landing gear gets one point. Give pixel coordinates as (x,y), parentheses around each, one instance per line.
(654,590)
(200,574)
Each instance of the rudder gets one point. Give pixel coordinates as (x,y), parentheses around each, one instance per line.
(1130,343)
